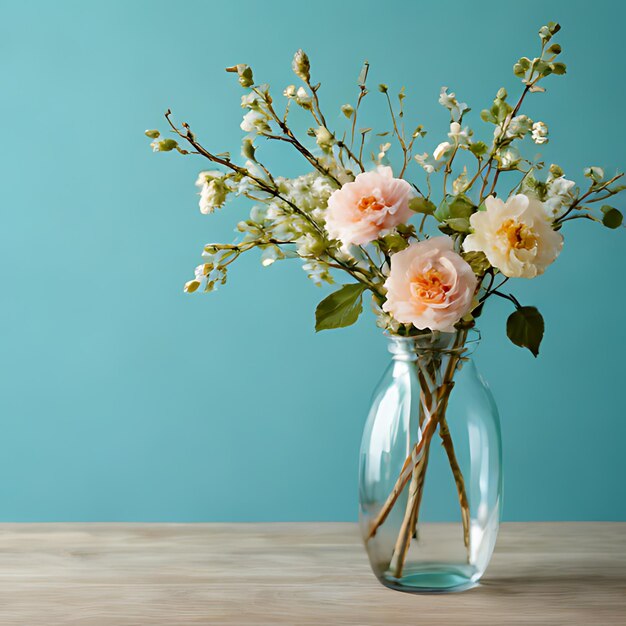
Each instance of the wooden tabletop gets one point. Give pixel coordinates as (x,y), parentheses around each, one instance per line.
(298,574)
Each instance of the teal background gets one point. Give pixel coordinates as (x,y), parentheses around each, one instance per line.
(124,399)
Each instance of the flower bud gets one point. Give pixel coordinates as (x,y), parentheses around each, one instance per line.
(244,72)
(304,99)
(153,134)
(324,138)
(301,66)
(247,149)
(165,145)
(347,110)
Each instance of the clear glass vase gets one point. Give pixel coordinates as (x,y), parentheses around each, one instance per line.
(431,452)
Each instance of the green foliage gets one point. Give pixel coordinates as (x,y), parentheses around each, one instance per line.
(548,31)
(166,145)
(341,308)
(611,217)
(422,205)
(525,328)
(595,173)
(478,262)
(478,148)
(453,207)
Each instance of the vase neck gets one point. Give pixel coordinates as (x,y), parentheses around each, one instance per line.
(462,342)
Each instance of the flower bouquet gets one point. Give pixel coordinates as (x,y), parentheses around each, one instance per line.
(429,258)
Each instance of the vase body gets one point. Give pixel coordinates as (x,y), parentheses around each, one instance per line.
(430,475)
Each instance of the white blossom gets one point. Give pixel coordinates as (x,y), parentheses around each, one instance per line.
(303,98)
(441,150)
(516,236)
(449,101)
(213,195)
(459,135)
(540,133)
(558,195)
(519,126)
(254,122)
(427,162)
(509,158)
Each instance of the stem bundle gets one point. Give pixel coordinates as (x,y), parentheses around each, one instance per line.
(434,396)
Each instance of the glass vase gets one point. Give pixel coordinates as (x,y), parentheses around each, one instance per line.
(431,452)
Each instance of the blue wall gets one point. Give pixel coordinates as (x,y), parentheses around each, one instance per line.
(124,399)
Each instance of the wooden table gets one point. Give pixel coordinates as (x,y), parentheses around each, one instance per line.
(298,574)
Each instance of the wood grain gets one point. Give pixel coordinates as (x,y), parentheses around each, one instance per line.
(298,574)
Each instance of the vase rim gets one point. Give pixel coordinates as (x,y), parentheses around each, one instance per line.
(435,341)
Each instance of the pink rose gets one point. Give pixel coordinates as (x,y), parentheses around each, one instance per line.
(430,285)
(376,201)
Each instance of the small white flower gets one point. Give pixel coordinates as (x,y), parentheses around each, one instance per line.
(458,134)
(509,158)
(250,101)
(426,161)
(558,195)
(317,272)
(206,176)
(449,101)
(254,122)
(303,98)
(519,126)
(290,91)
(212,195)
(324,138)
(254,169)
(540,133)
(441,150)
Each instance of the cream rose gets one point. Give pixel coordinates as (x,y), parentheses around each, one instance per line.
(516,236)
(429,285)
(374,202)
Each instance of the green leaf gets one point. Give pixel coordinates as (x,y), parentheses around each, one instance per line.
(488,116)
(422,205)
(559,68)
(525,328)
(443,211)
(500,110)
(477,261)
(452,207)
(478,148)
(341,308)
(461,206)
(611,217)
(459,224)
(521,67)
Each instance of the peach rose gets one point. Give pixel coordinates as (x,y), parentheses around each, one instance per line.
(430,285)
(376,201)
